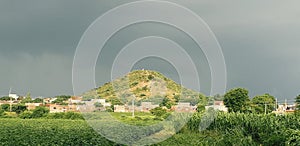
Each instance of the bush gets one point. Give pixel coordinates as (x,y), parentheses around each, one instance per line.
(26,115)
(40,111)
(158,111)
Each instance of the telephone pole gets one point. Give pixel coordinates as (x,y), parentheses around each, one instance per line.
(10,105)
(265,108)
(133,107)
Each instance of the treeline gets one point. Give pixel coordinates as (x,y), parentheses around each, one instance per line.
(20,111)
(238,100)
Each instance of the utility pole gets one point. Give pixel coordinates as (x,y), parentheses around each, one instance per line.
(265,108)
(276,105)
(133,107)
(10,105)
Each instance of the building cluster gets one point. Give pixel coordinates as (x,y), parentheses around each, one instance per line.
(285,108)
(76,104)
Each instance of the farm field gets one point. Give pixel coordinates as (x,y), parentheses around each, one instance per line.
(226,129)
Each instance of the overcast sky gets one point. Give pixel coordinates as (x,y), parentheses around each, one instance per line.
(260,42)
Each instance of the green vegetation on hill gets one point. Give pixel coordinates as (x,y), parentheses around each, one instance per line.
(145,85)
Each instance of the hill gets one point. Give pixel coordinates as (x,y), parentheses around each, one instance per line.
(144,85)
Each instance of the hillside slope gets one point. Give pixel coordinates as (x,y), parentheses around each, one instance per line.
(144,85)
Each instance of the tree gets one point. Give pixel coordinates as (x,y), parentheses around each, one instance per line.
(27,99)
(61,99)
(236,100)
(98,104)
(19,108)
(298,104)
(158,111)
(5,98)
(5,107)
(260,102)
(38,100)
(39,111)
(167,103)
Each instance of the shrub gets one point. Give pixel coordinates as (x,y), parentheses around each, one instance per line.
(40,111)
(158,111)
(26,115)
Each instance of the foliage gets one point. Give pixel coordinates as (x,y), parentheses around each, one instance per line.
(49,132)
(167,102)
(236,100)
(27,99)
(98,104)
(226,129)
(61,99)
(5,98)
(251,129)
(158,111)
(5,107)
(40,111)
(18,108)
(260,101)
(139,83)
(37,100)
(26,115)
(298,103)
(65,115)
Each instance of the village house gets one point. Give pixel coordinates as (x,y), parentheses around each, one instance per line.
(120,108)
(32,106)
(89,106)
(218,105)
(54,108)
(285,108)
(184,107)
(49,100)
(13,96)
(75,100)
(147,106)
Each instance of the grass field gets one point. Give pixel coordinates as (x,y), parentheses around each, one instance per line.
(226,129)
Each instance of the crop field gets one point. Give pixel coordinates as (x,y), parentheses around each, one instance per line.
(226,129)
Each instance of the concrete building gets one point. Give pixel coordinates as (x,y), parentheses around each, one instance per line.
(54,108)
(218,105)
(13,96)
(32,106)
(147,106)
(184,107)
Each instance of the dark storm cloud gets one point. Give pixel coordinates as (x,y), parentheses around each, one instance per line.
(260,41)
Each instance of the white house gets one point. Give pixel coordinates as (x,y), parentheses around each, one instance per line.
(218,105)
(14,96)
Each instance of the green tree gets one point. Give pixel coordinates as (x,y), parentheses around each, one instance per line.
(98,104)
(236,100)
(262,101)
(166,102)
(5,107)
(298,104)
(27,99)
(39,111)
(19,108)
(5,98)
(158,111)
(61,100)
(38,100)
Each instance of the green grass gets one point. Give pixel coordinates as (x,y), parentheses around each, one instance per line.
(48,132)
(226,129)
(140,118)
